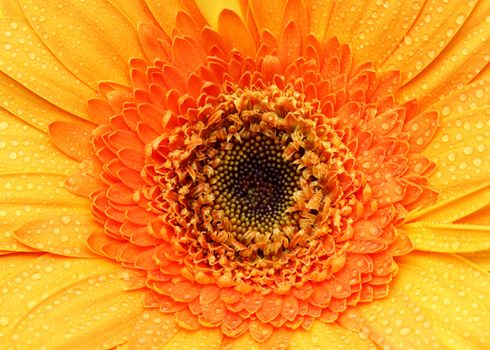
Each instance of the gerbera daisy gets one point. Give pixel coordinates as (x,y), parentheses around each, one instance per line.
(244,174)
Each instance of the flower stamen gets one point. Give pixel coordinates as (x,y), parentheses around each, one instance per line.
(254,185)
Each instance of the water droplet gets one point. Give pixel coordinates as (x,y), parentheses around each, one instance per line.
(4,321)
(405,331)
(468,150)
(65,219)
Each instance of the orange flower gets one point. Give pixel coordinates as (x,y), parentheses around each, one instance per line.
(281,174)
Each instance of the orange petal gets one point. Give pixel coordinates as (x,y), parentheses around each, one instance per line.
(295,10)
(279,340)
(235,34)
(208,294)
(187,55)
(319,12)
(82,184)
(260,331)
(289,45)
(99,110)
(154,41)
(185,291)
(185,26)
(267,15)
(120,193)
(271,308)
(213,313)
(73,139)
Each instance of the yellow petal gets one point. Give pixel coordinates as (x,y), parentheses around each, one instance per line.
(436,301)
(165,12)
(63,235)
(448,238)
(10,8)
(25,58)
(373,28)
(38,189)
(152,330)
(479,217)
(461,149)
(37,280)
(459,62)
(92,38)
(11,263)
(26,197)
(464,99)
(212,9)
(93,313)
(457,300)
(456,274)
(25,149)
(135,10)
(28,106)
(244,342)
(202,338)
(14,215)
(435,26)
(319,13)
(328,337)
(481,259)
(10,244)
(484,73)
(455,208)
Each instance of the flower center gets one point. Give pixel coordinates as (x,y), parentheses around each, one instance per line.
(254,185)
(257,193)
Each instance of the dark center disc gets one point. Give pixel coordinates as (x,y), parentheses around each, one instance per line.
(254,184)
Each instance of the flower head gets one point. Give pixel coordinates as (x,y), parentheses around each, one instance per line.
(256,179)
